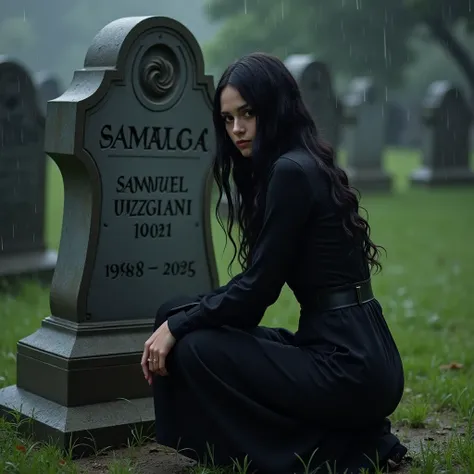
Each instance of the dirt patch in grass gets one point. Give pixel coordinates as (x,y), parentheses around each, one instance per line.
(435,431)
(154,459)
(147,459)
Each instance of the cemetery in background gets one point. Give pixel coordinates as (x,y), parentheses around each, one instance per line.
(107,202)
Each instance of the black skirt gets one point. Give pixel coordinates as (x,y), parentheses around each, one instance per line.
(319,397)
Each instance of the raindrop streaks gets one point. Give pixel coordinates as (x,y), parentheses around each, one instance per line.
(343,30)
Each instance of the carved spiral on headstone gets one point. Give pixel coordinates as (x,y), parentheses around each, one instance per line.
(158,77)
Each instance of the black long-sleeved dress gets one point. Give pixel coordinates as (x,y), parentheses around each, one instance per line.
(324,391)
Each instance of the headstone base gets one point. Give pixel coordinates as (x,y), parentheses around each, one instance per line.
(62,357)
(82,381)
(86,428)
(370,180)
(446,177)
(38,265)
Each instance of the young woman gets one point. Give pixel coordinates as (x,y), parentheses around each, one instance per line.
(225,387)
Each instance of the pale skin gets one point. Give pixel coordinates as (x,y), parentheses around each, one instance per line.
(241,126)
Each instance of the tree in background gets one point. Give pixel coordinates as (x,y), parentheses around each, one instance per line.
(16,34)
(20,30)
(54,35)
(441,17)
(355,37)
(392,40)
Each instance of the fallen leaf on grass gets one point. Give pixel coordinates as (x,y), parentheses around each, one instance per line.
(451,366)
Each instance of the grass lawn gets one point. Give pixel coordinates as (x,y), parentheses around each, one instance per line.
(426,289)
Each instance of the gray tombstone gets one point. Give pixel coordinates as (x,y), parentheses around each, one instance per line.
(395,123)
(447,120)
(49,87)
(314,80)
(23,251)
(365,141)
(133,137)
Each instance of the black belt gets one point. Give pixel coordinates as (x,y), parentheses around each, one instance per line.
(329,299)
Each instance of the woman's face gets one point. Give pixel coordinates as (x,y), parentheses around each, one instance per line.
(240,122)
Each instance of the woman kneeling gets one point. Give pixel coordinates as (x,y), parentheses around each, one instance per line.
(226,387)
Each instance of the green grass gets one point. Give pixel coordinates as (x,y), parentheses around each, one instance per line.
(426,289)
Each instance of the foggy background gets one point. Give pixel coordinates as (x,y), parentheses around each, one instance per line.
(404,44)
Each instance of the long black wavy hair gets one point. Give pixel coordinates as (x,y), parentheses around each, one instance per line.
(283,122)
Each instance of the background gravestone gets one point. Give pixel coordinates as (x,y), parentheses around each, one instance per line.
(49,87)
(314,79)
(447,121)
(133,138)
(396,123)
(23,251)
(365,141)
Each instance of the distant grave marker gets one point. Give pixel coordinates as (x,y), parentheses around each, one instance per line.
(133,138)
(23,251)
(49,88)
(446,147)
(365,141)
(315,82)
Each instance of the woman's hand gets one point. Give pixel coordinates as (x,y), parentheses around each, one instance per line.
(157,347)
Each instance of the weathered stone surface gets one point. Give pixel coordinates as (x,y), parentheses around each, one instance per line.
(133,139)
(23,251)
